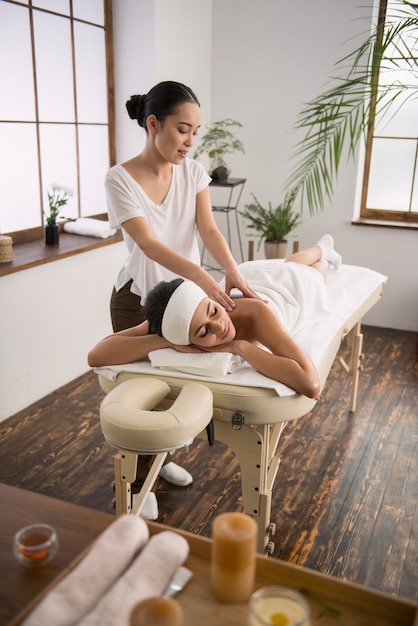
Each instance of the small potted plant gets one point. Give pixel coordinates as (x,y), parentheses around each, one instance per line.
(57,198)
(220,139)
(272,224)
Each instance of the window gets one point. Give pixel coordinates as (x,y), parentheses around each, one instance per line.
(56,117)
(390,182)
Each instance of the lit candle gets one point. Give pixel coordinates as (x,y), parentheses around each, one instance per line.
(233,557)
(157,611)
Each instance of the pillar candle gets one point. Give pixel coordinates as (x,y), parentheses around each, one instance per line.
(232,571)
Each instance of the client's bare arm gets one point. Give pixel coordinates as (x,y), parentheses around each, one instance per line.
(125,346)
(296,371)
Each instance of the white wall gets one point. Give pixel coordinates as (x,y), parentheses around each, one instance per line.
(50,317)
(155,41)
(256,62)
(184,46)
(134,63)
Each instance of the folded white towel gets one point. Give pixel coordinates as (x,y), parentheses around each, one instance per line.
(89,227)
(210,364)
(76,594)
(148,576)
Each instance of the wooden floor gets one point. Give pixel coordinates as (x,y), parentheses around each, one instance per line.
(346,496)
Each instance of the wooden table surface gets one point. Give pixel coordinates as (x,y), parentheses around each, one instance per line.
(78,526)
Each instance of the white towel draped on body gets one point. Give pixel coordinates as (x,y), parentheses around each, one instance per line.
(296,293)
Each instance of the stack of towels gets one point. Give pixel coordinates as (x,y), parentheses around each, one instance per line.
(123,567)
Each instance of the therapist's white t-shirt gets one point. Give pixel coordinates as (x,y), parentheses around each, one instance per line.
(173,222)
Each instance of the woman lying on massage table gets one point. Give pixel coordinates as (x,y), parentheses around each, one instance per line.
(181,316)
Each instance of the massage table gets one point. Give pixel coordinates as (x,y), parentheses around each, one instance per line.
(249,410)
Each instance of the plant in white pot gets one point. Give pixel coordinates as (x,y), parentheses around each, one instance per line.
(220,139)
(273,224)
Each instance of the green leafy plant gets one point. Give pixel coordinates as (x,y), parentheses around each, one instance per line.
(272,224)
(220,139)
(338,119)
(58,197)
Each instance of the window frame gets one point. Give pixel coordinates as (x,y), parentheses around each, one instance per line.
(34,234)
(384,217)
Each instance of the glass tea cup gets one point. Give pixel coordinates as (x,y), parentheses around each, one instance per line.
(278,606)
(35,545)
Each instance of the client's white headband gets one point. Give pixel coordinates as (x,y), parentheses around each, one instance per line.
(179,311)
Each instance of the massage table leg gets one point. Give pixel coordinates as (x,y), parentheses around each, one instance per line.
(126,464)
(354,340)
(255,448)
(125,473)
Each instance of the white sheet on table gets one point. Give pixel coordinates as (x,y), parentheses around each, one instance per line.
(347,288)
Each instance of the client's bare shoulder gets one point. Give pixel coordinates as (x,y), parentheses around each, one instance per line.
(249,305)
(246,316)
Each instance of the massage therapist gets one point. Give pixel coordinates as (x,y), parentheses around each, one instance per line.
(160,199)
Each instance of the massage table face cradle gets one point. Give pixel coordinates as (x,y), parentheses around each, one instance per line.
(254,444)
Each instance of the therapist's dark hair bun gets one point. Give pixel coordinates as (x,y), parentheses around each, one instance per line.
(161,101)
(156,303)
(134,107)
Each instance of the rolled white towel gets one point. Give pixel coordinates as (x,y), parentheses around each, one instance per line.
(89,227)
(210,364)
(148,576)
(76,594)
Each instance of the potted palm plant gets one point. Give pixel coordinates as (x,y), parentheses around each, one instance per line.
(339,118)
(272,224)
(220,139)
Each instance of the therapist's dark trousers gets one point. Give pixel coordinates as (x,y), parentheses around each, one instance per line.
(125,308)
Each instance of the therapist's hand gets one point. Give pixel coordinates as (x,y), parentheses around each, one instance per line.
(234,280)
(215,291)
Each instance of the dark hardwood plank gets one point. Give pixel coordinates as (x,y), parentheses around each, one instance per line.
(345,498)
